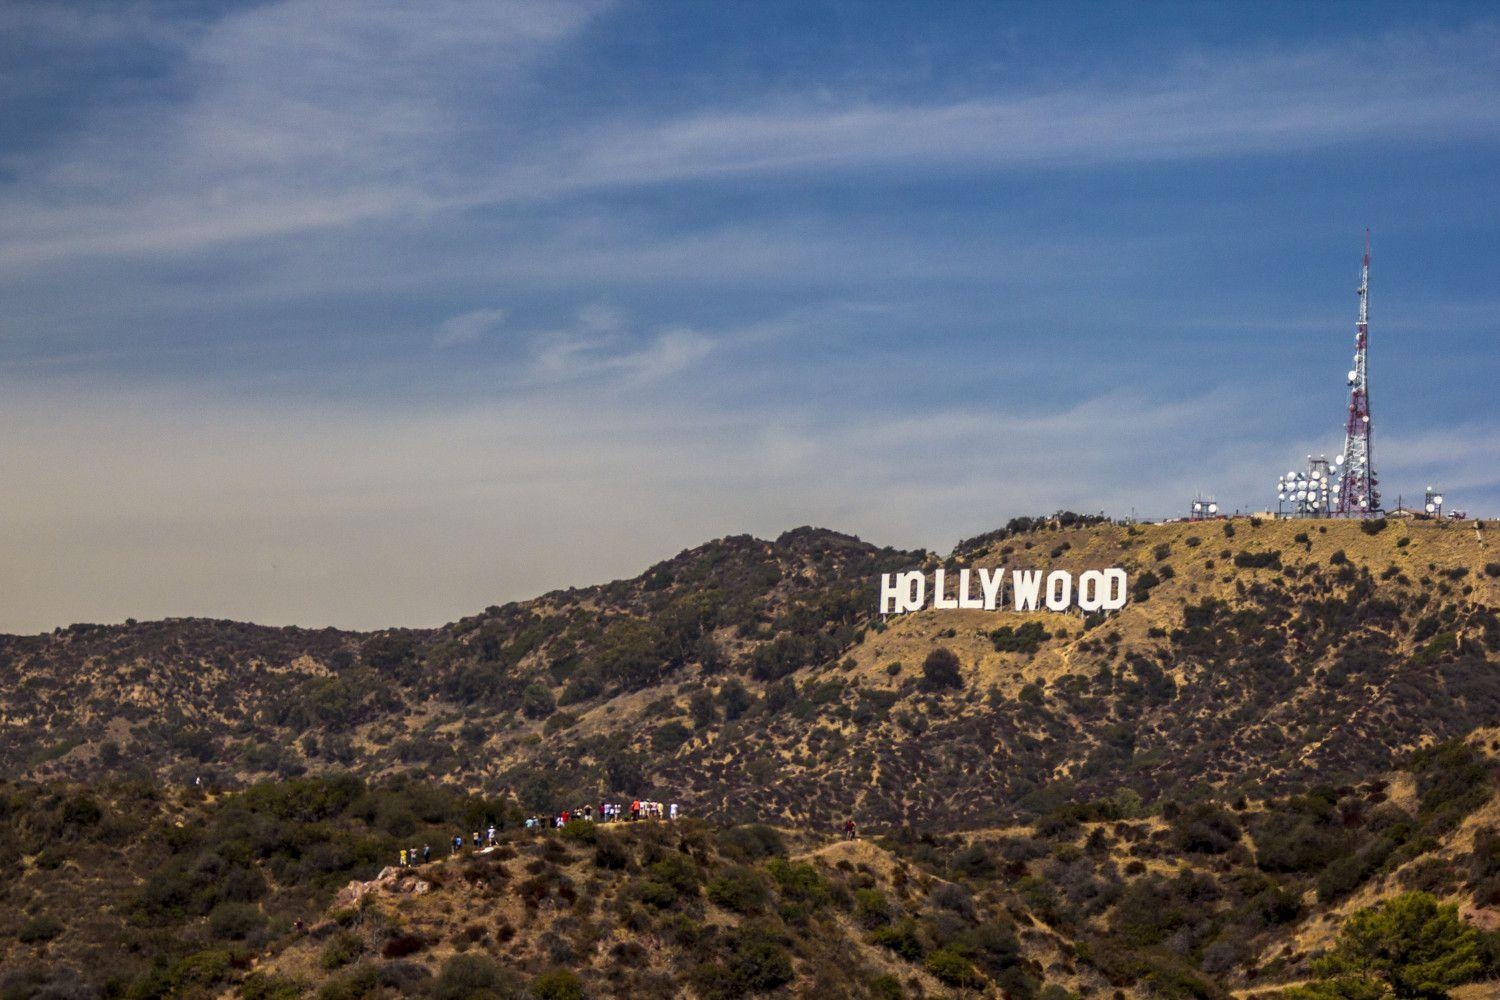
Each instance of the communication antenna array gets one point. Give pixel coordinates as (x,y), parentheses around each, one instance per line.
(1356,492)
(1305,494)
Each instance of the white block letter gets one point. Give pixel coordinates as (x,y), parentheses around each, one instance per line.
(989,582)
(1090,590)
(888,594)
(1059,590)
(1026,585)
(964,600)
(938,600)
(1115,599)
(913,590)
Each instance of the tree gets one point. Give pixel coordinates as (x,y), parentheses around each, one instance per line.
(1407,947)
(940,670)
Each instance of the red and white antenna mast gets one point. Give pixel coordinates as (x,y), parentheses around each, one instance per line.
(1357,495)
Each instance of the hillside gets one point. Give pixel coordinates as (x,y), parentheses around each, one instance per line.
(1248,662)
(288,888)
(1289,723)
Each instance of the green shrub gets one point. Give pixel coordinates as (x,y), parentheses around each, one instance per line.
(269,986)
(1246,559)
(900,938)
(758,964)
(39,929)
(356,983)
(871,909)
(953,969)
(611,854)
(799,882)
(1410,945)
(739,888)
(341,949)
(1027,637)
(1205,828)
(558,721)
(537,701)
(235,921)
(472,976)
(940,671)
(751,842)
(670,737)
(1373,525)
(557,984)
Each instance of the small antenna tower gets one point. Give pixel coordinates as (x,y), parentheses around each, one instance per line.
(1357,495)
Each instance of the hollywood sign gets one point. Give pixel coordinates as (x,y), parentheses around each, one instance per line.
(1027,590)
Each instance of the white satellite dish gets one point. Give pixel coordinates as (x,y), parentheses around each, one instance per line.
(1431,507)
(1340,460)
(1437,499)
(1213,508)
(1353,376)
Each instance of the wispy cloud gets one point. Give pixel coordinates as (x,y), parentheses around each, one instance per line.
(468,328)
(302,116)
(600,347)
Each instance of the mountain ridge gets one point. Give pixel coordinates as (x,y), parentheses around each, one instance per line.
(1240,636)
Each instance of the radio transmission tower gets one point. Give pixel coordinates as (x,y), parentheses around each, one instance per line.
(1357,495)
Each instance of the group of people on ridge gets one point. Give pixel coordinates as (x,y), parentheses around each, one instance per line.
(607,812)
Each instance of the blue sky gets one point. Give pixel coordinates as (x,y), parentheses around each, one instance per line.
(368,314)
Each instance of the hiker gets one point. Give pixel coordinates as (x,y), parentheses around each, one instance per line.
(491,835)
(403,857)
(458,842)
(411,856)
(849,829)
(426,853)
(672,811)
(476,840)
(635,810)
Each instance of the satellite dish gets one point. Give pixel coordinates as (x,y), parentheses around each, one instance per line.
(1366,418)
(1213,508)
(1353,376)
(1313,496)
(1431,507)
(1437,499)
(1340,460)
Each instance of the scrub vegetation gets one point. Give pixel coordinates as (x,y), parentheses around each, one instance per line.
(1277,756)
